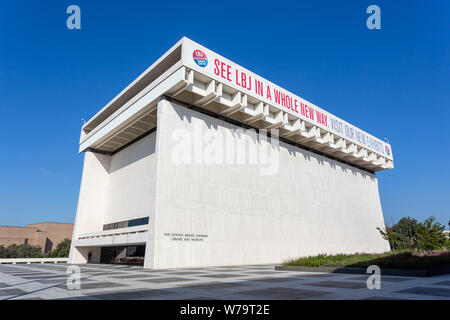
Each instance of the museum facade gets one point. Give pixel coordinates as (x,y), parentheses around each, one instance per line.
(201,162)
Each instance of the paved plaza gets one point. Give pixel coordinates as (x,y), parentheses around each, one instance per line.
(49,281)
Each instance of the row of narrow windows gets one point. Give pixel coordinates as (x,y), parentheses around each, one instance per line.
(125,224)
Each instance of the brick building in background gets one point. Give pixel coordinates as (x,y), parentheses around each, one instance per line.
(45,235)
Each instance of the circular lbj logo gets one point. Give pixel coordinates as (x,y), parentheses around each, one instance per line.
(200,58)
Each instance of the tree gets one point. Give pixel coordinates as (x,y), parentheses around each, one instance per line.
(407,233)
(3,252)
(431,236)
(401,235)
(62,249)
(390,235)
(24,251)
(405,228)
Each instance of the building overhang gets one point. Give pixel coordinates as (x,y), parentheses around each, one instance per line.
(195,76)
(124,236)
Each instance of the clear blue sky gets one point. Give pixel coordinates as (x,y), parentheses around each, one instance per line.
(393,83)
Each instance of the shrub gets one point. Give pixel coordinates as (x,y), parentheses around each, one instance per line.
(402,260)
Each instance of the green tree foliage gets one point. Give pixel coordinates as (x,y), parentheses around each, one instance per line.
(16,251)
(62,250)
(390,235)
(22,251)
(401,235)
(431,236)
(407,233)
(3,252)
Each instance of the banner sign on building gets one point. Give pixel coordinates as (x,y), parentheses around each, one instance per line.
(233,75)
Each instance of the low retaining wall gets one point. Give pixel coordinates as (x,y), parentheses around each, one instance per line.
(385,272)
(34,260)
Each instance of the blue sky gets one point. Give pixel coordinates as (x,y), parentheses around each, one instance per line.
(393,83)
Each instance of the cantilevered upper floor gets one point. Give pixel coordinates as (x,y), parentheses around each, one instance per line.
(197,77)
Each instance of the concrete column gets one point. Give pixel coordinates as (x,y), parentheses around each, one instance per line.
(91,201)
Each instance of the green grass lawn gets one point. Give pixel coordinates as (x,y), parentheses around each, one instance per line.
(401,260)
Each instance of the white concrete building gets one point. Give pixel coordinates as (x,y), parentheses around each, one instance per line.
(177,168)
